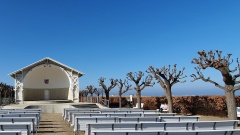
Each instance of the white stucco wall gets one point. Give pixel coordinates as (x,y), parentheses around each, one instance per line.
(58,78)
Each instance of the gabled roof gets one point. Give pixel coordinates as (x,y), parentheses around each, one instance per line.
(46,60)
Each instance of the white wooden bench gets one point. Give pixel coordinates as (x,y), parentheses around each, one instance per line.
(74,115)
(36,115)
(10,133)
(205,132)
(154,126)
(105,110)
(27,112)
(68,112)
(214,125)
(31,120)
(125,115)
(178,118)
(158,114)
(4,112)
(138,119)
(91,127)
(70,117)
(80,122)
(143,111)
(25,128)
(127,132)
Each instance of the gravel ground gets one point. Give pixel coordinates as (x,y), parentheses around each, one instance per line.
(53,124)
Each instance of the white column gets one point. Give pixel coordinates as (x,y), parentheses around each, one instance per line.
(75,89)
(19,92)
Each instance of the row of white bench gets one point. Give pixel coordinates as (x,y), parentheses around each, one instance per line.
(205,132)
(80,122)
(118,122)
(23,120)
(66,110)
(162,126)
(73,115)
(145,113)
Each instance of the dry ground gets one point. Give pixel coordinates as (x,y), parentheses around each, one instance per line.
(53,124)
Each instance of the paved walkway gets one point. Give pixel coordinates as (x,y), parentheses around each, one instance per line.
(53,124)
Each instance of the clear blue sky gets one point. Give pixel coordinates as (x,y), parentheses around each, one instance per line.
(109,38)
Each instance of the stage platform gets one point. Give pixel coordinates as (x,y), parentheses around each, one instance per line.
(53,106)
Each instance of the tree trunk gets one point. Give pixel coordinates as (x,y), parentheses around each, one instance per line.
(231,103)
(107,95)
(120,101)
(98,98)
(91,98)
(169,99)
(139,99)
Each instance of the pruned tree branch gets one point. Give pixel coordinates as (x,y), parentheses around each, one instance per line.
(107,89)
(136,77)
(219,62)
(122,84)
(166,76)
(90,89)
(236,88)
(101,83)
(201,76)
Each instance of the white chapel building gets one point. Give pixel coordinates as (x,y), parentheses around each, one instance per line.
(46,79)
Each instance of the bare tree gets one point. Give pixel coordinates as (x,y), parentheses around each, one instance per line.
(83,94)
(2,87)
(216,61)
(167,77)
(90,89)
(122,84)
(98,91)
(107,89)
(139,86)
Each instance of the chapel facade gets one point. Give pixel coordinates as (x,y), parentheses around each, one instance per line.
(46,79)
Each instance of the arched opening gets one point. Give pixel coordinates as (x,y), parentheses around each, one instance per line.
(46,82)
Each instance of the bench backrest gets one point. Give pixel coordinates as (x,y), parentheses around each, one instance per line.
(27,112)
(36,115)
(204,132)
(10,133)
(127,132)
(158,114)
(79,112)
(25,128)
(91,127)
(31,120)
(80,122)
(178,118)
(125,115)
(74,115)
(215,125)
(138,119)
(68,112)
(151,126)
